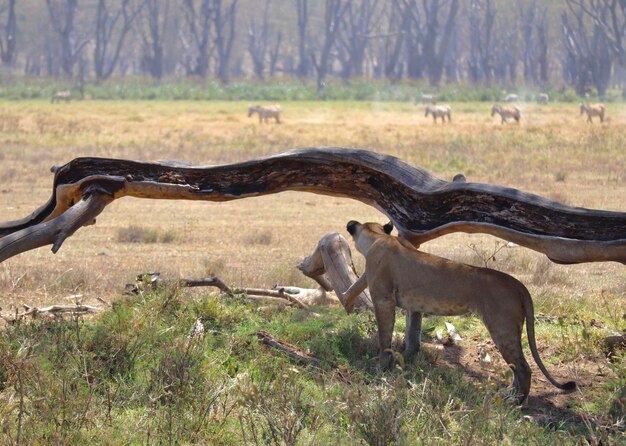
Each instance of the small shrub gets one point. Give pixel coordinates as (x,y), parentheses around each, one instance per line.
(560,176)
(275,409)
(136,234)
(379,415)
(263,237)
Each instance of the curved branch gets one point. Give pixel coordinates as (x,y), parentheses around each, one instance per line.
(56,230)
(421,206)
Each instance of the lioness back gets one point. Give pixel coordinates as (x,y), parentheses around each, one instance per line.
(422,282)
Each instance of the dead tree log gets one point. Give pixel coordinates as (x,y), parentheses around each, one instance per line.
(331,266)
(420,206)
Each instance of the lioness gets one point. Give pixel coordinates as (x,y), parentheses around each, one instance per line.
(399,275)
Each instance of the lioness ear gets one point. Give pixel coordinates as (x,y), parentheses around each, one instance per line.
(388,228)
(351,226)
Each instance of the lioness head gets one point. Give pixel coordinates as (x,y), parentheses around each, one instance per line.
(252,109)
(364,234)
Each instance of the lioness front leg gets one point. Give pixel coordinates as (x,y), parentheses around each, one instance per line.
(385,310)
(413,334)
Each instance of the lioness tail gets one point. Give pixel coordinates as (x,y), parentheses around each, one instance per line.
(527,303)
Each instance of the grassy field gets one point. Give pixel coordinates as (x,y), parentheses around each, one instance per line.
(131,376)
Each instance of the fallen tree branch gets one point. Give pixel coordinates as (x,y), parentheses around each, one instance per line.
(59,309)
(331,266)
(280,295)
(210,281)
(291,350)
(420,206)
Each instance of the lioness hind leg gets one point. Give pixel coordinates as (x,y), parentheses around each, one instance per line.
(508,339)
(385,311)
(412,338)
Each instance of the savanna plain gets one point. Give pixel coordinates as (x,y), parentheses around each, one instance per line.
(133,375)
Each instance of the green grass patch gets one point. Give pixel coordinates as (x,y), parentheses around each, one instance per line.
(139,374)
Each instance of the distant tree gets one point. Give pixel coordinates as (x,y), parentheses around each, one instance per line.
(360,19)
(259,44)
(62,15)
(304,67)
(197,38)
(112,27)
(588,58)
(8,42)
(437,40)
(333,17)
(426,41)
(152,23)
(610,17)
(534,41)
(482,14)
(224,24)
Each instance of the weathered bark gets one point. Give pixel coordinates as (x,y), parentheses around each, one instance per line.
(331,266)
(420,206)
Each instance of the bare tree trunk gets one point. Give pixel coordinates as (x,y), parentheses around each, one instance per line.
(542,47)
(609,16)
(154,17)
(354,35)
(258,35)
(413,31)
(304,67)
(8,45)
(395,41)
(199,27)
(333,15)
(274,52)
(106,26)
(529,59)
(64,27)
(588,61)
(224,26)
(434,54)
(481,20)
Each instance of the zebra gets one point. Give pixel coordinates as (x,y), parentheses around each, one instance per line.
(592,110)
(265,112)
(511,112)
(439,111)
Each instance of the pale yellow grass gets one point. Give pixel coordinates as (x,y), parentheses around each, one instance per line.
(258,241)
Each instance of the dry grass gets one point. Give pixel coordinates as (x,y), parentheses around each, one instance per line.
(258,241)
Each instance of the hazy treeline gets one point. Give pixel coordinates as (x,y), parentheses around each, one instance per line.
(488,42)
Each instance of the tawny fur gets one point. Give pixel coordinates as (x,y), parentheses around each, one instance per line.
(439,111)
(506,113)
(399,275)
(593,110)
(266,112)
